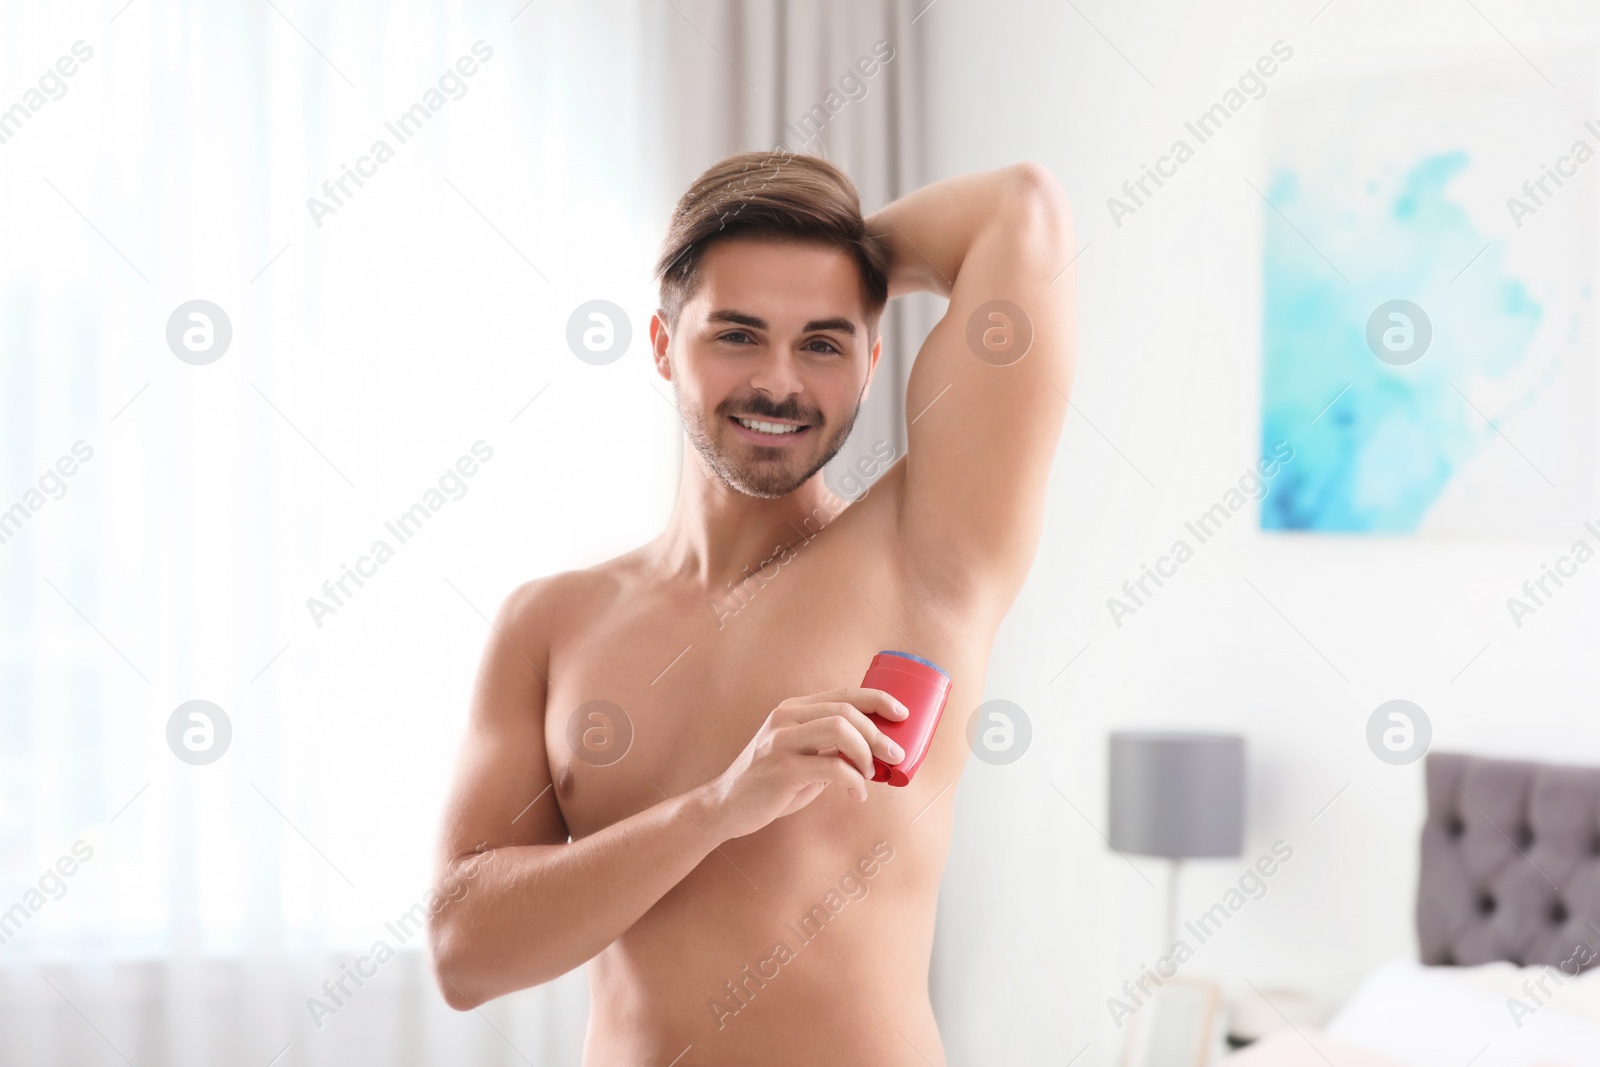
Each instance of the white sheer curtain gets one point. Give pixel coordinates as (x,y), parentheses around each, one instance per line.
(374,343)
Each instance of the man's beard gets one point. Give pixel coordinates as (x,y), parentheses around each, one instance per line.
(767,479)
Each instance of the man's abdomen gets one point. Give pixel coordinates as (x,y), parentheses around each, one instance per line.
(794,946)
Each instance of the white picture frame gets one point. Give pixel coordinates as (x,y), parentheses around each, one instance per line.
(1177,1027)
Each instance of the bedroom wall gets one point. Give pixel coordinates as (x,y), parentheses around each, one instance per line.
(1292,641)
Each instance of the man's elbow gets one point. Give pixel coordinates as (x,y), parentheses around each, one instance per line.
(1037,200)
(454,997)
(450,970)
(471,972)
(1036,183)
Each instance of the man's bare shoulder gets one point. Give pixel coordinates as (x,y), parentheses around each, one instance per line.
(567,598)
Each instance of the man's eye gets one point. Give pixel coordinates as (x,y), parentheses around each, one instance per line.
(737,337)
(827,346)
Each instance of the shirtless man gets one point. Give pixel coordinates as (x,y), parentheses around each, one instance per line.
(713,845)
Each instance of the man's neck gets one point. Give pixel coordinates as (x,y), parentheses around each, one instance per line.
(717,535)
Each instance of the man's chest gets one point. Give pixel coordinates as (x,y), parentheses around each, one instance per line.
(662,691)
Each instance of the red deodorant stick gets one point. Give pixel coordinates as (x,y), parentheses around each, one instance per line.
(923,688)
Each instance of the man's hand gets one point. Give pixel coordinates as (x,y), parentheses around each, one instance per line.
(797,753)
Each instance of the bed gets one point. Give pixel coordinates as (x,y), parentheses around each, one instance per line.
(1508,928)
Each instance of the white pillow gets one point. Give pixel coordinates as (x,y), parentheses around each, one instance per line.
(1450,1016)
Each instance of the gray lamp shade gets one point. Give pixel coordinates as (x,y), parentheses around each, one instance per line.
(1176,794)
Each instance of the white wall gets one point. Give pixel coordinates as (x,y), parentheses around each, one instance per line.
(1039,921)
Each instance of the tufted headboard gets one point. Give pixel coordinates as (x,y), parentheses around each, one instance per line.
(1510,863)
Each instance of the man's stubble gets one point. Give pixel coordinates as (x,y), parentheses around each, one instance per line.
(764,479)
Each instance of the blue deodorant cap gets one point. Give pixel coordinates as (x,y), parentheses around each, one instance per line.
(919,659)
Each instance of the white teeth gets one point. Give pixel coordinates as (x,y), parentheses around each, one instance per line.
(766,427)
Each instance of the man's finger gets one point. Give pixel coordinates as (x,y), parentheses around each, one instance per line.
(881,744)
(871,701)
(831,733)
(836,770)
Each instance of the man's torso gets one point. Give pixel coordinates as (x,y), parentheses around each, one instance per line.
(809,940)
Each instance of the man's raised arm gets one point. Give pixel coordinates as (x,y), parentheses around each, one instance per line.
(988,392)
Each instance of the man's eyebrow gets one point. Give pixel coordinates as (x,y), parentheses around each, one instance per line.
(842,325)
(739,318)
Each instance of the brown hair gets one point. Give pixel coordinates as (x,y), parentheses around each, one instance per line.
(776,195)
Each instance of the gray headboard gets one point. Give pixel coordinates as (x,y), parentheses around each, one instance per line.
(1510,863)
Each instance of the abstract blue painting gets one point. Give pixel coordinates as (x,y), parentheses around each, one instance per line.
(1426,342)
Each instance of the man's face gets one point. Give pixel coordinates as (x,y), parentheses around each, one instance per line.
(770,361)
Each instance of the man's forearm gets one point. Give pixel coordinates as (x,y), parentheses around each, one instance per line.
(929,232)
(534,912)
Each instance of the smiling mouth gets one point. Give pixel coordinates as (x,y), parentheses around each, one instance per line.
(770,428)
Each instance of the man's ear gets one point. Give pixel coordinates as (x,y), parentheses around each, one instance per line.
(659,343)
(872,363)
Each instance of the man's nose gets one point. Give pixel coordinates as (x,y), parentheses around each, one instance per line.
(777,376)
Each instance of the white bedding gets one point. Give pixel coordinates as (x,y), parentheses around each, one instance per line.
(1452,1016)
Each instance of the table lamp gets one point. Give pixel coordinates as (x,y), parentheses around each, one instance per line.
(1178,795)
